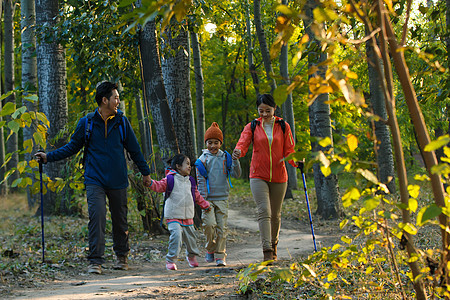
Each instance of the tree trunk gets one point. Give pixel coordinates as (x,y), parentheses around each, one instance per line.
(51,70)
(263,44)
(383,146)
(251,64)
(288,114)
(175,67)
(144,128)
(155,98)
(199,91)
(29,77)
(4,185)
(12,142)
(320,125)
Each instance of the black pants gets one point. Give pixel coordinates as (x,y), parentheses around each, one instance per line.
(96,198)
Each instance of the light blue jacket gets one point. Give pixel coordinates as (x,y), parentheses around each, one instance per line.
(216,168)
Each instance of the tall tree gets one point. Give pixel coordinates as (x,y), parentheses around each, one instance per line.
(250,57)
(12,142)
(29,70)
(155,101)
(4,185)
(263,44)
(155,97)
(199,90)
(51,71)
(288,112)
(175,67)
(383,146)
(320,125)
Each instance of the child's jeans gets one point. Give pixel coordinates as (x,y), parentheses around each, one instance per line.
(179,235)
(215,228)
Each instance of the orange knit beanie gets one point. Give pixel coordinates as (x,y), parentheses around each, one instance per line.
(214,132)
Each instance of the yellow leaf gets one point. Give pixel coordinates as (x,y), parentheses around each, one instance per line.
(21,165)
(326,171)
(346,239)
(331,276)
(352,75)
(33,163)
(325,142)
(352,142)
(412,204)
(414,190)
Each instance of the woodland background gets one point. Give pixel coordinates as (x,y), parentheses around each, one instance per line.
(364,85)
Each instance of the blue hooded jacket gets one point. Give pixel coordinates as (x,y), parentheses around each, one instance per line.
(105,162)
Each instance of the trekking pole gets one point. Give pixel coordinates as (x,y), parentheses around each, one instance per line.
(42,210)
(300,166)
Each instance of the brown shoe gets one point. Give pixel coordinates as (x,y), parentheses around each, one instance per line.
(95,269)
(268,254)
(274,247)
(121,263)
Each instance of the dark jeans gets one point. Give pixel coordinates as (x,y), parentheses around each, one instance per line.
(96,198)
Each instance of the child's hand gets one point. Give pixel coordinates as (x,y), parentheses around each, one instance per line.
(147,181)
(209,208)
(236,154)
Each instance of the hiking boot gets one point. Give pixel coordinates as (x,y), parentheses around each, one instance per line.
(121,263)
(192,261)
(268,254)
(171,266)
(274,247)
(209,257)
(220,262)
(95,269)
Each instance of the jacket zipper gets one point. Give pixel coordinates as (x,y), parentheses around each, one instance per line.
(270,147)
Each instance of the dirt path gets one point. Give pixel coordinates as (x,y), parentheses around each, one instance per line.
(152,280)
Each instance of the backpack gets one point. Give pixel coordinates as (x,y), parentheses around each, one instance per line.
(202,170)
(169,189)
(255,123)
(88,130)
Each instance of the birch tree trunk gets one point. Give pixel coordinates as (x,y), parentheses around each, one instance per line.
(320,125)
(51,70)
(155,98)
(29,76)
(175,67)
(383,146)
(263,44)
(4,185)
(11,143)
(199,95)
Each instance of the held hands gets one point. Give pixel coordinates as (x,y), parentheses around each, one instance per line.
(41,157)
(236,154)
(147,181)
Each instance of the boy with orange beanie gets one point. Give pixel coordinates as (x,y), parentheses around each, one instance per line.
(214,168)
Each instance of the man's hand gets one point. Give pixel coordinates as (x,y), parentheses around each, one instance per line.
(146,180)
(41,157)
(236,154)
(300,164)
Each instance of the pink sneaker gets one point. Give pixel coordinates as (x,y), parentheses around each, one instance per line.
(192,261)
(170,265)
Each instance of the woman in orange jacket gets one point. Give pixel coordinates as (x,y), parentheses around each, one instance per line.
(272,142)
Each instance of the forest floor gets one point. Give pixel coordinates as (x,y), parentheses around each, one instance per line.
(67,277)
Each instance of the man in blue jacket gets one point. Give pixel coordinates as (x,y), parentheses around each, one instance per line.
(105,172)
